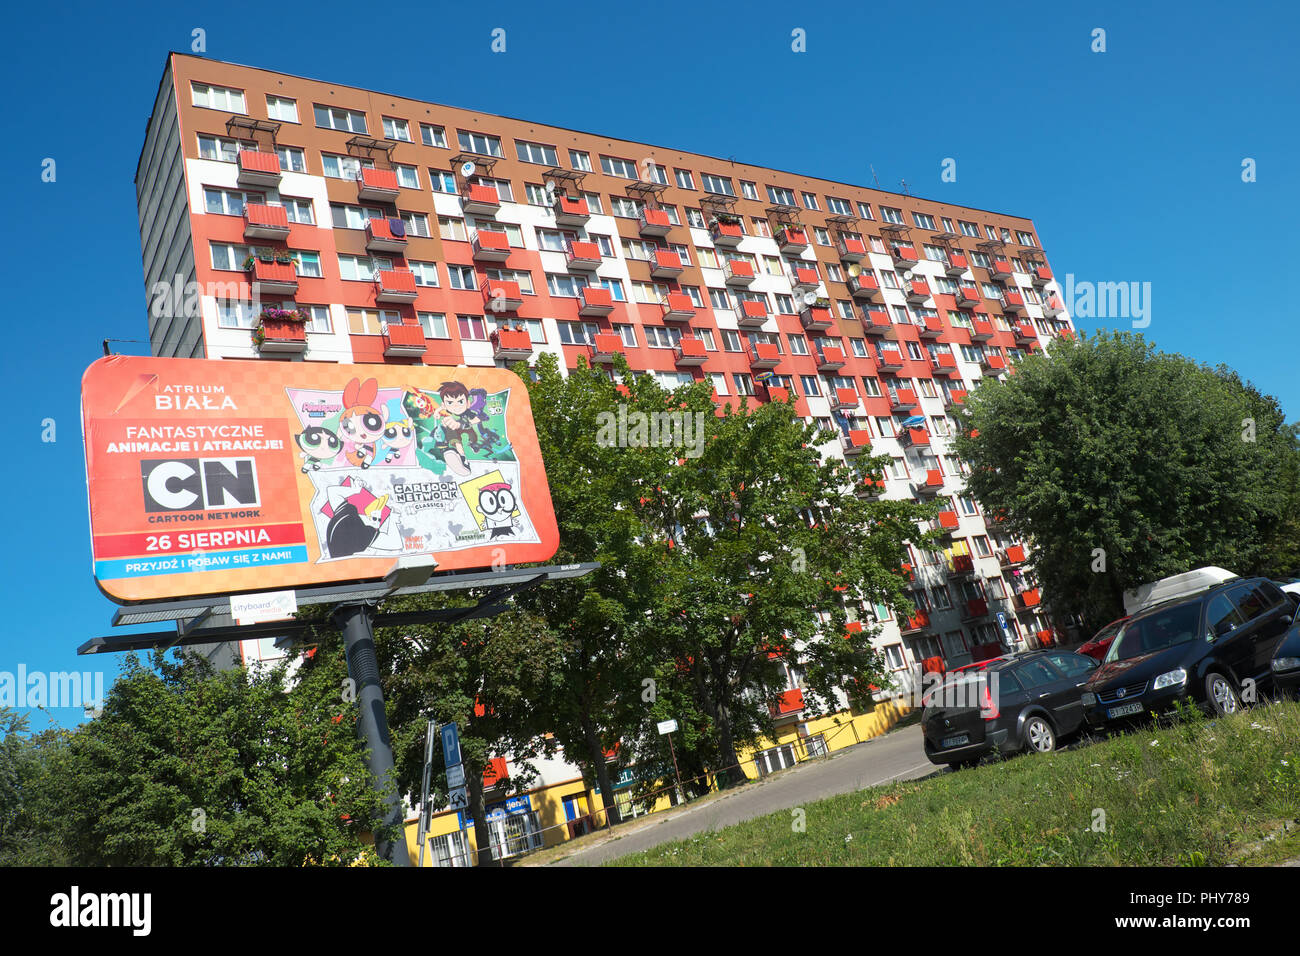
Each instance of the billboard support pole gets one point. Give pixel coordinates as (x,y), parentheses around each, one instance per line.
(363,667)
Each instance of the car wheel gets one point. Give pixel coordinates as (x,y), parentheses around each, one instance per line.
(1221,695)
(1039,736)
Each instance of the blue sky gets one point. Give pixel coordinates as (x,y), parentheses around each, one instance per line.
(1129,162)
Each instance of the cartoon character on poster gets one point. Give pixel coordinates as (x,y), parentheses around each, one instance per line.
(399,470)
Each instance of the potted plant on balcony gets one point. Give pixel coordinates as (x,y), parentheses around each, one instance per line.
(724,219)
(821,302)
(266,255)
(284,258)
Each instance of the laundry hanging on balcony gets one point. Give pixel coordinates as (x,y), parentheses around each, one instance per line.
(397,228)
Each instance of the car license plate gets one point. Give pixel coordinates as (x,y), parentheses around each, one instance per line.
(1125,710)
(956,741)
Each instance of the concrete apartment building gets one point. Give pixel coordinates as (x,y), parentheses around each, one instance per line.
(411,232)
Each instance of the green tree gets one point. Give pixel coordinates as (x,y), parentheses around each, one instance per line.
(190,767)
(1120,465)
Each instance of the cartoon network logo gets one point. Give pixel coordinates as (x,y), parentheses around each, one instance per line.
(198,484)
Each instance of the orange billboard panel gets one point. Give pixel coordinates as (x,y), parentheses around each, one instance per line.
(215,477)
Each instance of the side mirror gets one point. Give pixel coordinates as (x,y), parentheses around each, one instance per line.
(1223,628)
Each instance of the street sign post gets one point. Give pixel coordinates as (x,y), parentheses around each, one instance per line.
(666,729)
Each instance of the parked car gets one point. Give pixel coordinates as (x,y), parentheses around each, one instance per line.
(1020,702)
(1199,647)
(1286,660)
(979,665)
(1100,643)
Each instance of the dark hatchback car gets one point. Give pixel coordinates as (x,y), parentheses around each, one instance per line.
(1024,701)
(1201,648)
(1286,659)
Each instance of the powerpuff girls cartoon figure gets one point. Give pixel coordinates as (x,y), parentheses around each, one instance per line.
(361,424)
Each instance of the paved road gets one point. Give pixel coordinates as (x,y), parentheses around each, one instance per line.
(894,756)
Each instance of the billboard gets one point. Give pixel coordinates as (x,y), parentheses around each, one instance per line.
(214,477)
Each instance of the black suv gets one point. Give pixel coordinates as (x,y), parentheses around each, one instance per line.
(1025,701)
(1201,647)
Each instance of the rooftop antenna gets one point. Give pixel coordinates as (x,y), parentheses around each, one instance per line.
(903,183)
(873,175)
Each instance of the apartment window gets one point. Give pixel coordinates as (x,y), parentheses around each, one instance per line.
(536,195)
(864,210)
(969,228)
(706,336)
(683,253)
(298,210)
(343,167)
(522,277)
(227,202)
(625,208)
(785,303)
(535,153)
(798,344)
(361,268)
(694,292)
(870,384)
(397,129)
(580,160)
(434,324)
(218,97)
(811,385)
(307,263)
(839,207)
(431,135)
(461,277)
(454,229)
(417,224)
(577,333)
(891,214)
(335,117)
(281,109)
(744,383)
(947,224)
(442,181)
(717,184)
(731,341)
(505,192)
(780,196)
(614,166)
(660,337)
(719,299)
(922,220)
(656,173)
(426,273)
(408,177)
(292,159)
(684,179)
(480,143)
(228,257)
(1026,238)
(967,506)
(810,201)
(627,334)
(720,385)
(613,286)
(353,217)
(236,315)
(694,217)
(220,149)
(821,236)
(748,189)
(471,327)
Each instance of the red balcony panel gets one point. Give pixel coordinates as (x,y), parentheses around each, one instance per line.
(385,235)
(904,398)
(265,222)
(1014,555)
(918,291)
(791,702)
(981,329)
(1013,302)
(956,396)
(1030,598)
(890,358)
(876,322)
(690,351)
(870,487)
(377,184)
(851,250)
(654,222)
(570,211)
(583,255)
(257,168)
(491,246)
(944,362)
(726,233)
(968,295)
(738,272)
(858,440)
(495,772)
(396,285)
(932,326)
(792,239)
(904,256)
(963,563)
(282,335)
(830,357)
(816,318)
(752,314)
(999,270)
(995,363)
(511,344)
(977,607)
(595,300)
(805,277)
(776,393)
(948,520)
(1043,273)
(957,264)
(917,622)
(677,306)
(502,295)
(915,437)
(403,339)
(605,345)
(666,264)
(863,286)
(845,398)
(764,355)
(274,277)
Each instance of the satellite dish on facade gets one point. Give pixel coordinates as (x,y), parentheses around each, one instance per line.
(908,275)
(467,169)
(809,298)
(855,270)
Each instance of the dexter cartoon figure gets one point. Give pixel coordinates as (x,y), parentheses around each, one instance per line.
(497,503)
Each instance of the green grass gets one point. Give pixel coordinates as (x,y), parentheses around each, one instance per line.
(1196,792)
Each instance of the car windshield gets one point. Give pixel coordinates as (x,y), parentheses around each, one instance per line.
(1107,632)
(1156,632)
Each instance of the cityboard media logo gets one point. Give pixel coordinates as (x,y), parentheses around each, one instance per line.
(198,484)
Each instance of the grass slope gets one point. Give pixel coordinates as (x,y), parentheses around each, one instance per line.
(1196,792)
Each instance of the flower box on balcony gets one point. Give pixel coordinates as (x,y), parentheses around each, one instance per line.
(265,222)
(764,355)
(738,272)
(258,169)
(377,185)
(595,300)
(690,351)
(513,344)
(570,211)
(655,222)
(726,233)
(403,339)
(752,314)
(791,239)
(479,200)
(829,358)
(490,246)
(272,278)
(605,346)
(850,249)
(677,307)
(386,235)
(816,318)
(396,285)
(583,255)
(665,264)
(957,264)
(281,330)
(502,295)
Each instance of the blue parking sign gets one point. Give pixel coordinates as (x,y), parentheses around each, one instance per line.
(450,745)
(1002,620)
